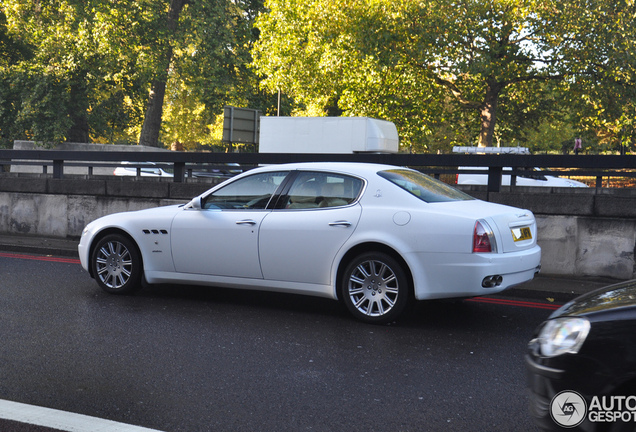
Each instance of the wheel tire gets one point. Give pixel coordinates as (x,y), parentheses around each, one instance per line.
(375,288)
(116,265)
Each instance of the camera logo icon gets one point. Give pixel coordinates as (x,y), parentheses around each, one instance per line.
(568,409)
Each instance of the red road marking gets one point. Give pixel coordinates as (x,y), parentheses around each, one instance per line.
(40,258)
(527,304)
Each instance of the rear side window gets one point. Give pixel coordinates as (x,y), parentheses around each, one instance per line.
(322,190)
(423,186)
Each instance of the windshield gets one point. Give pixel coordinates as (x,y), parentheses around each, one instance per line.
(423,186)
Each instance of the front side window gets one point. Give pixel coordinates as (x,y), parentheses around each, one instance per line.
(423,186)
(322,190)
(252,192)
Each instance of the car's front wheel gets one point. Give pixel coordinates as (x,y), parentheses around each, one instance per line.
(116,264)
(375,288)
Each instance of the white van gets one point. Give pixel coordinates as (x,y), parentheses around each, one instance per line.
(534,176)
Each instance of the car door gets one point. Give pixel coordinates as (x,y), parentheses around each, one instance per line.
(221,237)
(299,240)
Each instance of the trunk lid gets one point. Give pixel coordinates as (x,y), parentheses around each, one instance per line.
(515,229)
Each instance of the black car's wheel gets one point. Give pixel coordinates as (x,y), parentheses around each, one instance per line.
(116,264)
(375,288)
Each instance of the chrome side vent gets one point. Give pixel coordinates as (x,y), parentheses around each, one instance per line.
(155,231)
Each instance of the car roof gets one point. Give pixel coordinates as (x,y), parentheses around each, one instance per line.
(359,168)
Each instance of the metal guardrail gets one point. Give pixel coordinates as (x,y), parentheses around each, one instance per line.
(435,164)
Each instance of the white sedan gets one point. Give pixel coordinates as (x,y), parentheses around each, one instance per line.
(531,177)
(374,237)
(146,169)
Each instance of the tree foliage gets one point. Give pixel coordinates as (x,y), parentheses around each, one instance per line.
(447,72)
(81,56)
(603,87)
(102,60)
(531,72)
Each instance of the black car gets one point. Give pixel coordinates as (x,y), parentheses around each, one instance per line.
(581,363)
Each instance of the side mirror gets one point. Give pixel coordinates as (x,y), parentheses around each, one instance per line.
(196,203)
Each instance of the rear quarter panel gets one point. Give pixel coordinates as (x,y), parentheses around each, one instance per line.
(435,240)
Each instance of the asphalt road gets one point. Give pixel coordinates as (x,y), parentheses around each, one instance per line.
(178,358)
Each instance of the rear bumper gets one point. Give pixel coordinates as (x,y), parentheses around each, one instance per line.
(461,275)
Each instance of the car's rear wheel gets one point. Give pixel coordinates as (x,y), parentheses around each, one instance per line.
(375,288)
(116,264)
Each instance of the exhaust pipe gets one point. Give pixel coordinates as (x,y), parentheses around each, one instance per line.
(492,281)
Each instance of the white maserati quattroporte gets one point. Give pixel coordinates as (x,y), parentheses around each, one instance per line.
(374,237)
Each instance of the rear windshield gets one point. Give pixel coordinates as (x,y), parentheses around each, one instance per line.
(423,186)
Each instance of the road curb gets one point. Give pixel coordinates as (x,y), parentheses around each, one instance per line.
(39,245)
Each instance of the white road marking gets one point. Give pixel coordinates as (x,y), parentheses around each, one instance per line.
(62,420)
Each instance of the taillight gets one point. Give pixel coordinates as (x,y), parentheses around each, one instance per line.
(483,238)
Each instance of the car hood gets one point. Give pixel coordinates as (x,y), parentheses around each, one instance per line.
(612,297)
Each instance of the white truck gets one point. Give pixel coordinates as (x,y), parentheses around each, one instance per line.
(327,135)
(534,176)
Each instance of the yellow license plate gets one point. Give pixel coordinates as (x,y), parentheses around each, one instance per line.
(519,234)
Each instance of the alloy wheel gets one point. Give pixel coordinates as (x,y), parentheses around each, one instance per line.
(114,264)
(373,288)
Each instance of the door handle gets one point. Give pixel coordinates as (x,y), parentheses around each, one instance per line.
(246,222)
(340,223)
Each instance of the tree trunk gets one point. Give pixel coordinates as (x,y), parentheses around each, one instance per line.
(78,132)
(154,109)
(78,110)
(488,115)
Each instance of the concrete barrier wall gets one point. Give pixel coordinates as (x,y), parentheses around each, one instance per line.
(62,207)
(585,246)
(583,232)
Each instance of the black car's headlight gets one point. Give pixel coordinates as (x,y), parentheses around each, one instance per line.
(563,335)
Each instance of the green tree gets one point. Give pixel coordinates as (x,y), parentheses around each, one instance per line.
(12,48)
(165,48)
(210,69)
(83,61)
(603,88)
(12,51)
(111,64)
(202,64)
(463,66)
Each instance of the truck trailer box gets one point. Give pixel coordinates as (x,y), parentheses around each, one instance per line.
(327,135)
